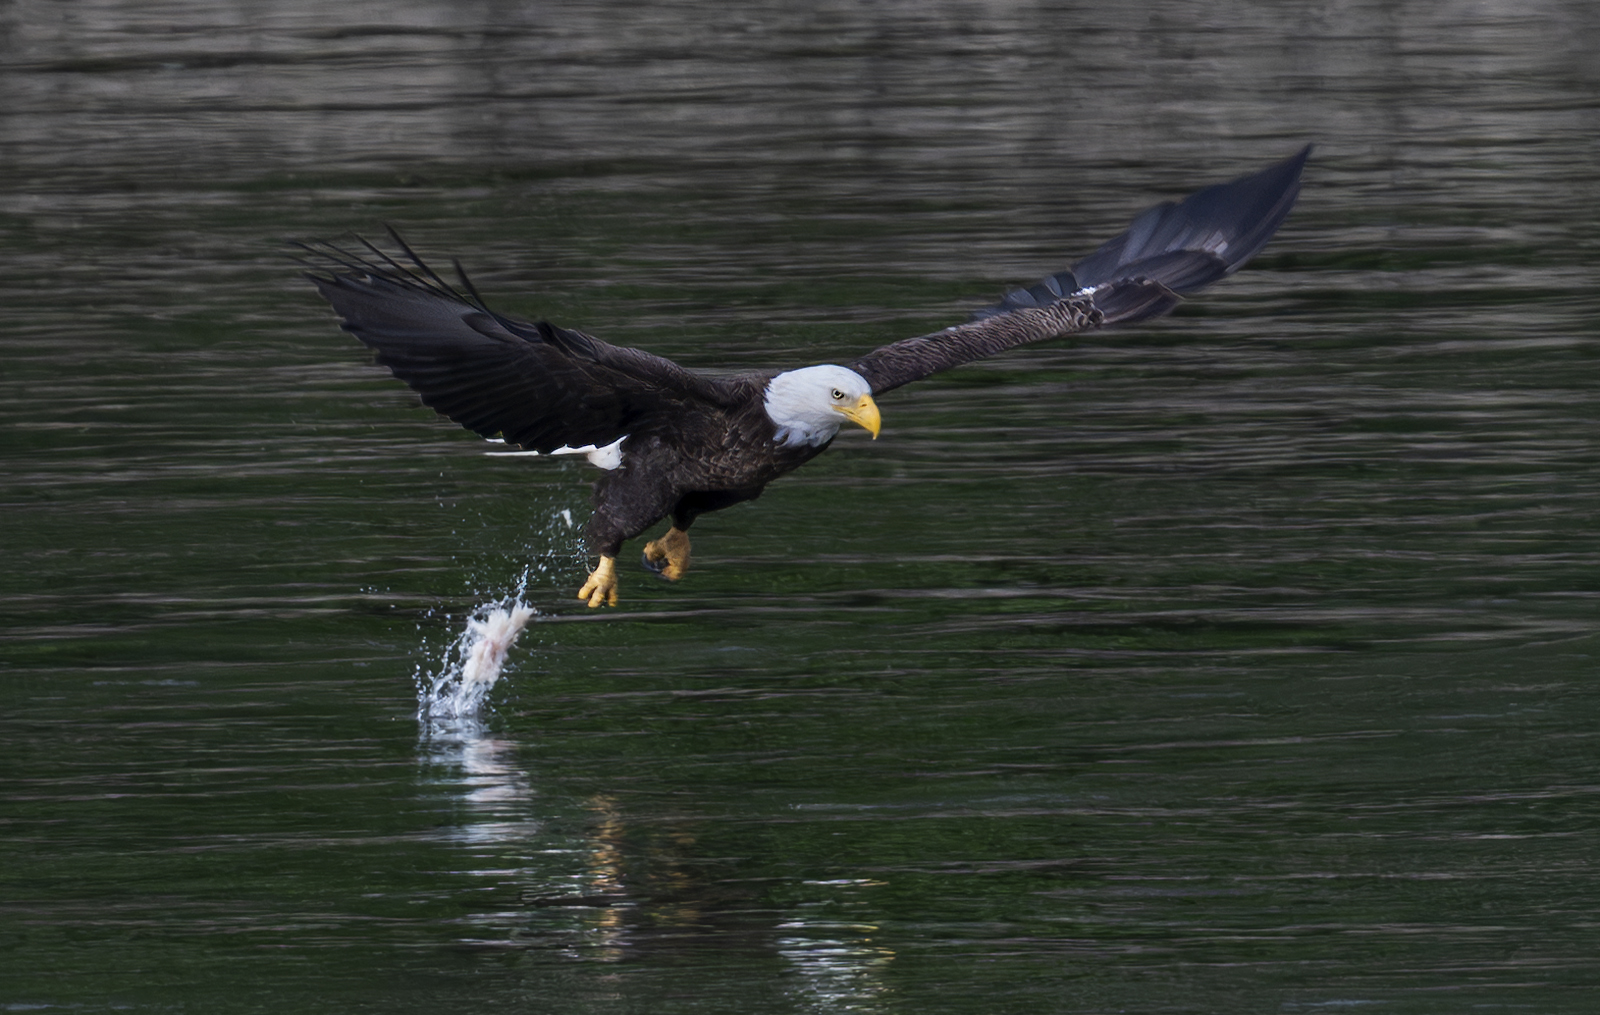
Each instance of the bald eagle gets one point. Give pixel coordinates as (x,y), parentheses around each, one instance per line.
(677,443)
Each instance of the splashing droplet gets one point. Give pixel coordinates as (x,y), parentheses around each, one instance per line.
(473,662)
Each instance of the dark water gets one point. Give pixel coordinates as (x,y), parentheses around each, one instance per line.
(1241,662)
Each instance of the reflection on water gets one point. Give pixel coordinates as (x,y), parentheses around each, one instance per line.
(840,966)
(603,912)
(606,930)
(839,969)
(495,790)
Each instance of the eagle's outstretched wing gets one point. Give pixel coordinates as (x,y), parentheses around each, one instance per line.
(534,385)
(1168,252)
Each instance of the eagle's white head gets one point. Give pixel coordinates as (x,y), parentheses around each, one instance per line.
(810,404)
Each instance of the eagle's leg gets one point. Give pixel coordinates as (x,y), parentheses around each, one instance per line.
(601,588)
(669,555)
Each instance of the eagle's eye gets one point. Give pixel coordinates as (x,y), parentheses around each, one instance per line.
(838,396)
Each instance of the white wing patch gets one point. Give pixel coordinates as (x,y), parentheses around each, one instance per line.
(608,457)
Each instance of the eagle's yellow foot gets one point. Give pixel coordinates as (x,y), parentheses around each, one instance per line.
(669,555)
(601,588)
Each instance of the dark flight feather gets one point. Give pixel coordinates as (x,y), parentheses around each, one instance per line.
(536,386)
(1169,251)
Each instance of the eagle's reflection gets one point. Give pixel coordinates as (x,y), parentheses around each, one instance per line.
(585,881)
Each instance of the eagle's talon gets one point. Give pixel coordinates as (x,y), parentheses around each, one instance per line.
(601,588)
(669,555)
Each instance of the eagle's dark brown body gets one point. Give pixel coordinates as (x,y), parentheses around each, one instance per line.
(692,443)
(715,460)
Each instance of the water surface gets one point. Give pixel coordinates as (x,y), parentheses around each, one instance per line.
(1242,661)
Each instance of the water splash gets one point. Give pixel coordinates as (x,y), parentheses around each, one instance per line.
(450,702)
(473,662)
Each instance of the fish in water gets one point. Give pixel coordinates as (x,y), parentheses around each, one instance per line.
(480,653)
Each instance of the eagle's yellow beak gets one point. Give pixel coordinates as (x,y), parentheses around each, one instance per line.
(863,414)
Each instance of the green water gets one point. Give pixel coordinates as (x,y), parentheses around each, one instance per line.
(1244,661)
